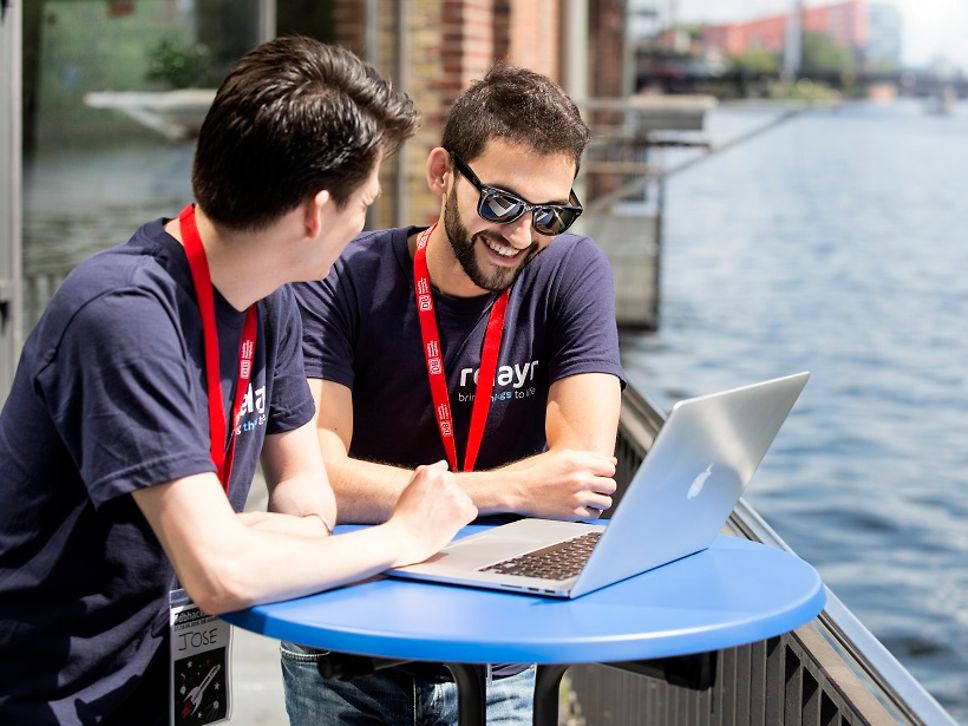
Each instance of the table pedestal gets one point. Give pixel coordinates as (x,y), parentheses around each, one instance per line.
(471,683)
(692,671)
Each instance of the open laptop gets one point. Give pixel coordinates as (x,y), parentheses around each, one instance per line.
(676,504)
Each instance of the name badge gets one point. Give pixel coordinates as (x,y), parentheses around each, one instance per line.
(201,653)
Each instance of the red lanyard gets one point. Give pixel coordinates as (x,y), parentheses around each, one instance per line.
(222,455)
(435,361)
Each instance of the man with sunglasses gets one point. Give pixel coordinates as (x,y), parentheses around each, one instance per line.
(488,339)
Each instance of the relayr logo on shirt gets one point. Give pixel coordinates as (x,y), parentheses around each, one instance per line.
(254,402)
(517,376)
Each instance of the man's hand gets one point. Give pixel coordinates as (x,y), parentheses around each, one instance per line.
(429,513)
(566,484)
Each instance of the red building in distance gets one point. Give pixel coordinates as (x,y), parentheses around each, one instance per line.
(844,22)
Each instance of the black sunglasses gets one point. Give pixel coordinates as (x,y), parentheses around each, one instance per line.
(503,207)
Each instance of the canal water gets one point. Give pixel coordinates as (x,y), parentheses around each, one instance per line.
(837,242)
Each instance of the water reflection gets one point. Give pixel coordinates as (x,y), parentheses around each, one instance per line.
(833,243)
(79,202)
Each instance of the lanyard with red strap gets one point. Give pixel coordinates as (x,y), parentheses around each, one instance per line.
(222,454)
(435,361)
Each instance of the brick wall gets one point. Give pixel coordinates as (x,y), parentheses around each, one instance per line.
(349,20)
(535,36)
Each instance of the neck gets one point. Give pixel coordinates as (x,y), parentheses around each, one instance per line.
(446,273)
(233,262)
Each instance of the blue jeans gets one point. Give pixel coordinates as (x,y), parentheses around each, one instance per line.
(390,696)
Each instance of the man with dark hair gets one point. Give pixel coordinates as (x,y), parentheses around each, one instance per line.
(158,373)
(488,339)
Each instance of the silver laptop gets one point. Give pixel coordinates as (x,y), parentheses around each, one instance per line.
(675,505)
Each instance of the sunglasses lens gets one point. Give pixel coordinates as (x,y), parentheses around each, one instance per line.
(554,220)
(498,207)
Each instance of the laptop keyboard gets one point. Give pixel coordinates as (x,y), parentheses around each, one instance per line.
(557,562)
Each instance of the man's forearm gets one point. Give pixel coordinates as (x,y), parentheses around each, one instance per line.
(556,484)
(366,491)
(309,525)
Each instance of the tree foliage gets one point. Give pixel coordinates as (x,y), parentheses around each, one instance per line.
(754,62)
(823,56)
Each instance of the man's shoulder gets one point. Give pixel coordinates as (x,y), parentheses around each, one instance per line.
(136,270)
(378,257)
(375,245)
(373,260)
(569,244)
(568,253)
(143,262)
(279,307)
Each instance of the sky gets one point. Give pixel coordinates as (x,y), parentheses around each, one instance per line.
(931,28)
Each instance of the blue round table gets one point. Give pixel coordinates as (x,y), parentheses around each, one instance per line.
(734,593)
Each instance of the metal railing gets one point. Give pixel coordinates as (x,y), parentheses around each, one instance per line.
(831,671)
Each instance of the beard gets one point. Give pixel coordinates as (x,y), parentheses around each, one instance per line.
(498,278)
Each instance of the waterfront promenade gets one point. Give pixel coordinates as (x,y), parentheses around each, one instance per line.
(257,681)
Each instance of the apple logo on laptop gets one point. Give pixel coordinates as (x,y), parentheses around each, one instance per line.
(699,482)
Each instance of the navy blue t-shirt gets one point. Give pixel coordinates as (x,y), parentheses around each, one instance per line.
(360,329)
(110,397)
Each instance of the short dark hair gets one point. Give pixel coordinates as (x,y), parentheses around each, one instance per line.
(518,105)
(293,117)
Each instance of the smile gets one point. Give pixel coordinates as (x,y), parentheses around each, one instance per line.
(503,250)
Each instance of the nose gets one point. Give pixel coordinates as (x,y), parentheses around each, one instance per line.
(518,232)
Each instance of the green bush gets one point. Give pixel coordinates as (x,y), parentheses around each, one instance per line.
(177,65)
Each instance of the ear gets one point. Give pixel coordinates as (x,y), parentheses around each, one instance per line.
(438,169)
(313,212)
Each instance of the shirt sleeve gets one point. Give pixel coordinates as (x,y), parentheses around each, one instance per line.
(328,327)
(121,396)
(291,403)
(584,334)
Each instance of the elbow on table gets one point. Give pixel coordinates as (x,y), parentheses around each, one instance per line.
(221,585)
